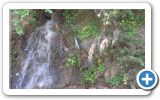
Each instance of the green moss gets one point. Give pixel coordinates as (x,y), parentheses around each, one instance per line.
(89,30)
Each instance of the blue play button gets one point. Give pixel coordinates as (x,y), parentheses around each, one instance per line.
(147,79)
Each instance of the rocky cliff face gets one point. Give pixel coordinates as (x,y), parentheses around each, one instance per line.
(75,49)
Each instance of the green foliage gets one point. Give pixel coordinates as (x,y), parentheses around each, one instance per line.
(101,66)
(19,30)
(69,19)
(115,81)
(74,28)
(129,17)
(73,60)
(90,75)
(32,21)
(89,30)
(109,15)
(125,51)
(21,14)
(131,20)
(17,22)
(128,52)
(118,80)
(69,16)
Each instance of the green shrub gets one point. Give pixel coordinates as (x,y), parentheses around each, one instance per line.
(101,66)
(90,75)
(74,28)
(21,14)
(89,30)
(17,22)
(73,60)
(129,52)
(84,32)
(116,80)
(69,16)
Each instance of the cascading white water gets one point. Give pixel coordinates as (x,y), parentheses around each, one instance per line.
(35,69)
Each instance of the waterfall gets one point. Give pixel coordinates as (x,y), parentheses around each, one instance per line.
(35,69)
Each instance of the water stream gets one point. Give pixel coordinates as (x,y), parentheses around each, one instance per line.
(36,69)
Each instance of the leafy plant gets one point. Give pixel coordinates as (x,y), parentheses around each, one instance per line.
(90,75)
(89,30)
(69,16)
(32,21)
(131,20)
(116,80)
(101,66)
(19,31)
(73,60)
(17,22)
(129,51)
(21,14)
(74,28)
